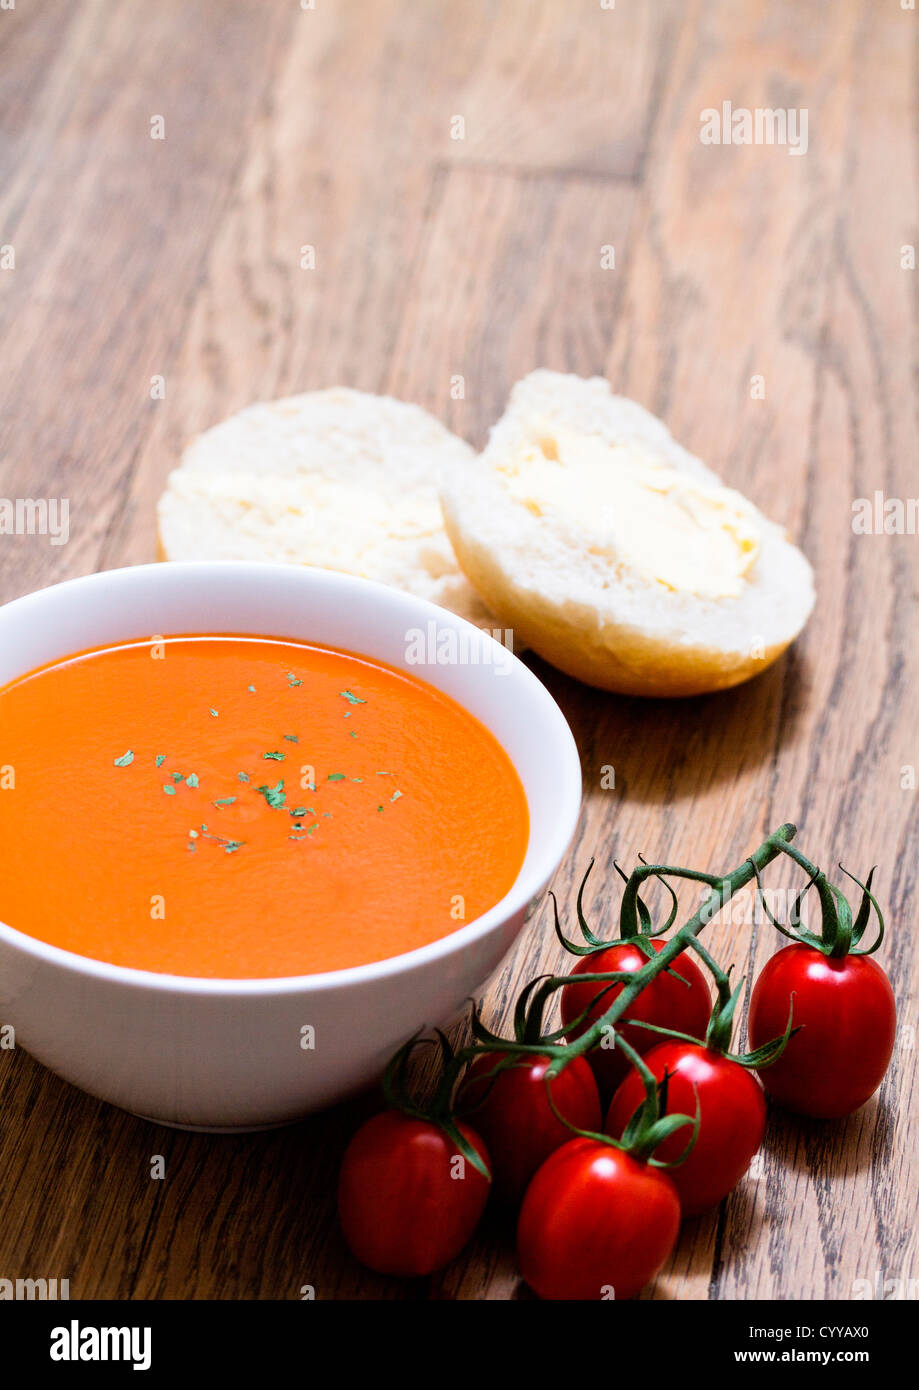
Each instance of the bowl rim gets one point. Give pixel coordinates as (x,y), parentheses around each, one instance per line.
(526,886)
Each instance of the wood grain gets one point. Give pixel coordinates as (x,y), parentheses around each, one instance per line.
(481,258)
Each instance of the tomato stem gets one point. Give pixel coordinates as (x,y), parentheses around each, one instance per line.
(721,890)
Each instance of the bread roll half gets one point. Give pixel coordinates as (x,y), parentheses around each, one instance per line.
(338,479)
(616,554)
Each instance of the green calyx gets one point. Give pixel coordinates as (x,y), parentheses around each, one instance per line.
(635,924)
(720,1029)
(648,1127)
(840,932)
(635,929)
(439,1111)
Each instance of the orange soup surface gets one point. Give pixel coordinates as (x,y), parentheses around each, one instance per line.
(243,807)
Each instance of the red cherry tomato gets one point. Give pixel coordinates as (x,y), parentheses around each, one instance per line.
(732,1118)
(847,1015)
(515,1119)
(595,1223)
(666,1001)
(407,1203)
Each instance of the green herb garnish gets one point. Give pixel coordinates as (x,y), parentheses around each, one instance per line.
(169,789)
(352,699)
(276,757)
(275,796)
(225,801)
(160,759)
(191,780)
(335,777)
(126,759)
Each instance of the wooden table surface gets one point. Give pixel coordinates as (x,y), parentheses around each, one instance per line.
(180,258)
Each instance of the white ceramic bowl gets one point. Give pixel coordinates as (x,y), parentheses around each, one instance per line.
(226,1054)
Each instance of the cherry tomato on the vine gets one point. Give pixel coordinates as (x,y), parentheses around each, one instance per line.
(514,1117)
(407,1200)
(847,1017)
(732,1118)
(667,1002)
(595,1223)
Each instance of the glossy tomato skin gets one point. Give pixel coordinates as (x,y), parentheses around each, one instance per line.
(732,1119)
(847,1015)
(595,1223)
(516,1120)
(400,1209)
(666,1001)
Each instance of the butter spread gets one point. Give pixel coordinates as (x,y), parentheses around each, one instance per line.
(634,508)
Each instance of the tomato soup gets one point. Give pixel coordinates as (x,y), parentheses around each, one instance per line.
(244,807)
